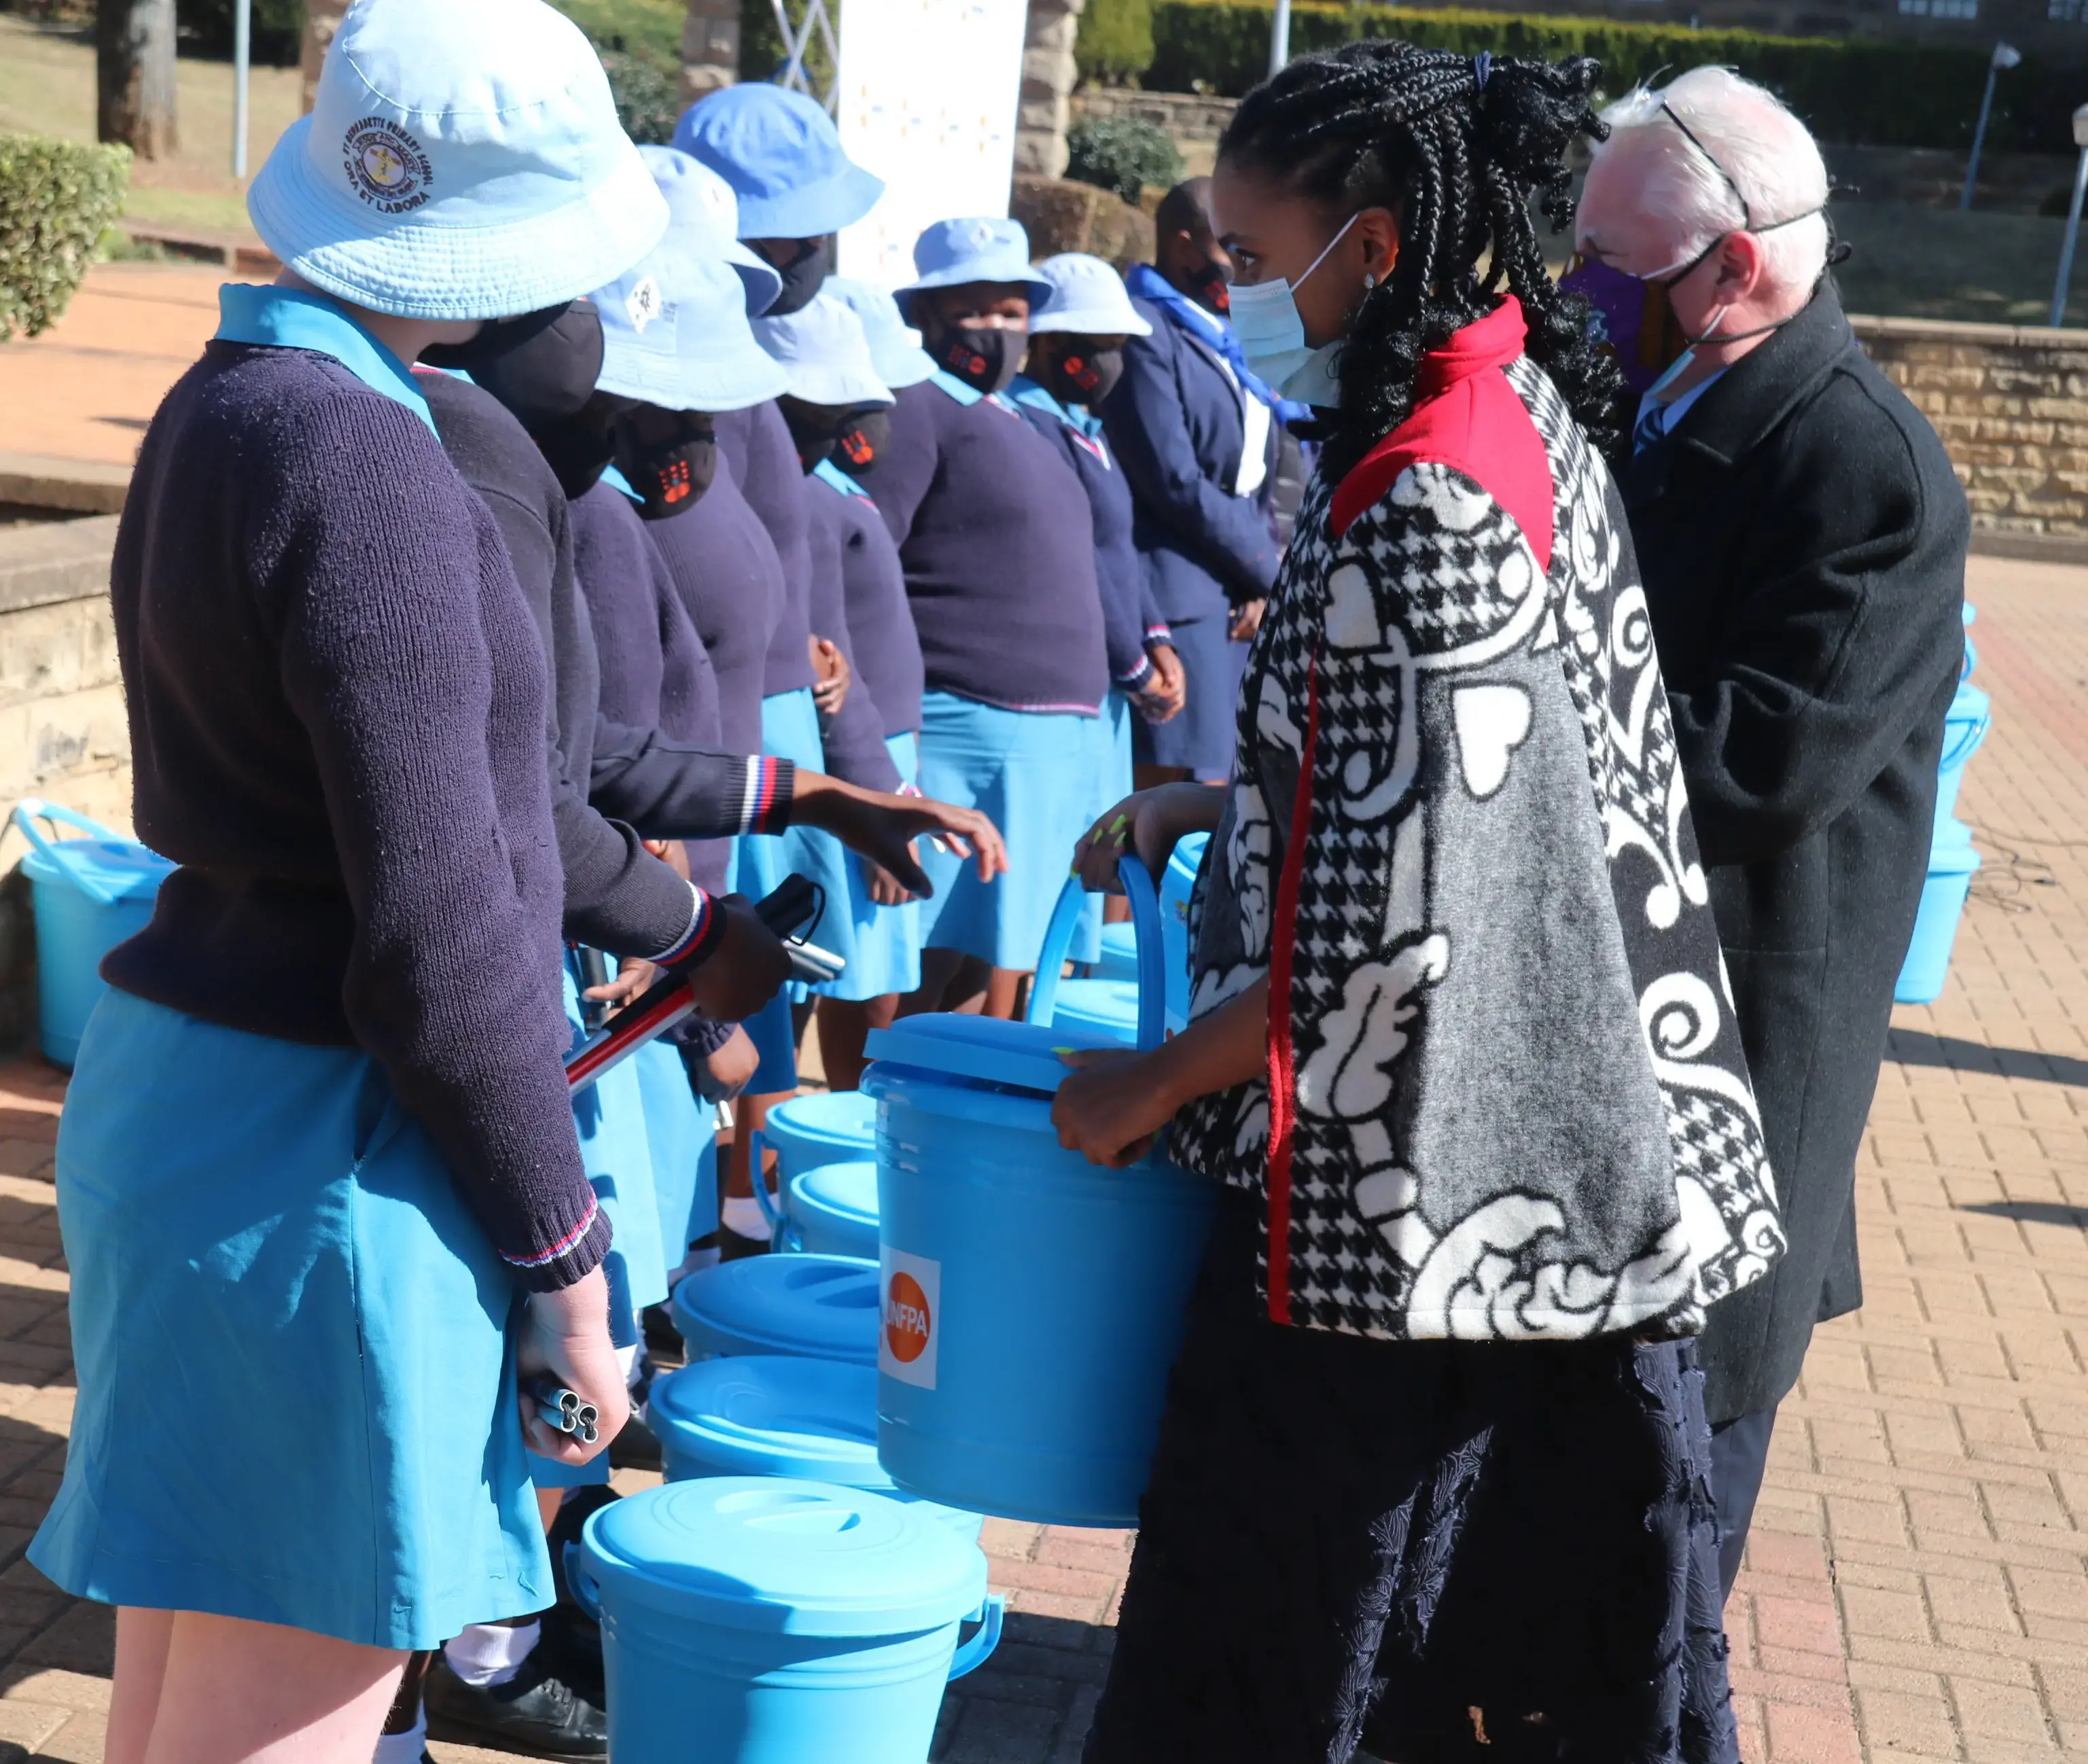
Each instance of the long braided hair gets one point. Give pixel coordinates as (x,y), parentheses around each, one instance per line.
(1454,146)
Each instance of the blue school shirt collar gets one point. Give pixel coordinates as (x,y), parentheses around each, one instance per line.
(617,481)
(291,318)
(835,479)
(967,395)
(1026,391)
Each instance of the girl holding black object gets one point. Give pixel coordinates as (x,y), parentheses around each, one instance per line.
(1431,1477)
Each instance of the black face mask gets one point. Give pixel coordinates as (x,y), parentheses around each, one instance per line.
(1080,375)
(1212,288)
(863,440)
(549,379)
(803,276)
(668,456)
(985,360)
(496,337)
(577,447)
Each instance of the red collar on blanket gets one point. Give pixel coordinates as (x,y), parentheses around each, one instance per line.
(1467,416)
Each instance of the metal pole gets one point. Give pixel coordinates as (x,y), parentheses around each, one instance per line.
(242,47)
(2073,234)
(1279,39)
(1979,135)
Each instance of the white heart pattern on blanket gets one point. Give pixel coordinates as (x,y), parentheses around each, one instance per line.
(1492,722)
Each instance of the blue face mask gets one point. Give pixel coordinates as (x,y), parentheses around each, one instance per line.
(1266,321)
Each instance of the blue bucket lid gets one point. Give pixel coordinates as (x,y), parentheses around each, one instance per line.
(111,869)
(835,1115)
(1951,853)
(1968,704)
(826,1306)
(785,1556)
(775,1414)
(846,1190)
(1023,1056)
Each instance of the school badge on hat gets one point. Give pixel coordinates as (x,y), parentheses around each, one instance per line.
(385,166)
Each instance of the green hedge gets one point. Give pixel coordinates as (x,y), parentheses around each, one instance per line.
(1880,94)
(1123,154)
(647,90)
(57,200)
(278,28)
(1115,41)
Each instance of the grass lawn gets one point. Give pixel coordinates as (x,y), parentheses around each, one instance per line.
(653,24)
(1917,263)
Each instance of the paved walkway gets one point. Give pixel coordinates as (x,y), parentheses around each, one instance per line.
(1917,1587)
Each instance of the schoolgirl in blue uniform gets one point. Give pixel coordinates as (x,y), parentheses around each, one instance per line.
(996,534)
(318,1150)
(837,408)
(1077,341)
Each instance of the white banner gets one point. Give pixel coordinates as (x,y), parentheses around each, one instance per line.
(925,98)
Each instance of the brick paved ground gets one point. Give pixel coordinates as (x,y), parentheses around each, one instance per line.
(1918,1585)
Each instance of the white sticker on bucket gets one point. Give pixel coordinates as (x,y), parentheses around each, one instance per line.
(910,1296)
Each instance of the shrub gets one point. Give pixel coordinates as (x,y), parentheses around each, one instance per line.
(1879,93)
(761,47)
(1122,154)
(278,28)
(1115,42)
(57,200)
(647,90)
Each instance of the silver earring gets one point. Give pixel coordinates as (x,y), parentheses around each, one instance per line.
(1370,281)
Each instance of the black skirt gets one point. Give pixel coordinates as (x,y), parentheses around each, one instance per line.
(1487,1553)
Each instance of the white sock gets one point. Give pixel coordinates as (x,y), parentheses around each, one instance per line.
(626,1358)
(490,1653)
(407,1748)
(742,1213)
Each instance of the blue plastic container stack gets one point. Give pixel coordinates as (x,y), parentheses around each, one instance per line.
(1951,860)
(90,894)
(807,1133)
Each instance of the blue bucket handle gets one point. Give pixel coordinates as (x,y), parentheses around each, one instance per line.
(757,1147)
(974,1652)
(1145,928)
(580,1583)
(32,809)
(1968,742)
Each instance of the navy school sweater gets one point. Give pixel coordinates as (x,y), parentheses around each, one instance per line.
(1119,570)
(617,895)
(655,673)
(996,538)
(337,709)
(724,566)
(887,651)
(852,738)
(755,446)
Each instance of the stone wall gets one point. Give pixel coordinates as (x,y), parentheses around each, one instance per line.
(1048,74)
(2011,403)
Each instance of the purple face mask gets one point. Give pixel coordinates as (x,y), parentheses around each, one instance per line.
(1630,317)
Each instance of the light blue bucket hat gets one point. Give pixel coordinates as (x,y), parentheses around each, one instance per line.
(674,333)
(461,161)
(1087,298)
(894,346)
(780,153)
(822,348)
(701,204)
(951,252)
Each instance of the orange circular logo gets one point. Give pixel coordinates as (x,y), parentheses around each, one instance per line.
(906,1319)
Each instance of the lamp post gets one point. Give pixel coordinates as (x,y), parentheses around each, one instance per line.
(2073,219)
(1279,39)
(242,55)
(2005,55)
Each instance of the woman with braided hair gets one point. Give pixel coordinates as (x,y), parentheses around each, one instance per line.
(1432,1478)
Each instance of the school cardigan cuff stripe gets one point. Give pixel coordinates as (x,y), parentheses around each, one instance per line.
(1160,634)
(576,1253)
(766,797)
(705,931)
(1135,680)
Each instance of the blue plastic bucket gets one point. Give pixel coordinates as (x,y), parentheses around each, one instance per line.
(1119,957)
(825,1307)
(770,1415)
(835,1127)
(1032,1303)
(1965,726)
(1952,862)
(90,895)
(771,1620)
(831,1210)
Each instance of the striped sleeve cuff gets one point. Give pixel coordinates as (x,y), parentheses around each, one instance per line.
(1159,634)
(572,1256)
(705,927)
(1138,676)
(765,798)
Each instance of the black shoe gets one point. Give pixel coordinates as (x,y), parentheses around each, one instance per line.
(636,1447)
(535,1713)
(574,1640)
(663,1341)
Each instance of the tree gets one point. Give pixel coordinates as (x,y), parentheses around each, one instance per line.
(133,43)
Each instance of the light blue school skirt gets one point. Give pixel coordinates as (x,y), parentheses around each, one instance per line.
(1032,774)
(682,1129)
(296,1390)
(885,940)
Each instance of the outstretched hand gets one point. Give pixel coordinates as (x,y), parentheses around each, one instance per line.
(883,828)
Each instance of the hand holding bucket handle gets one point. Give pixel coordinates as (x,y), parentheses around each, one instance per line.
(32,809)
(1146,925)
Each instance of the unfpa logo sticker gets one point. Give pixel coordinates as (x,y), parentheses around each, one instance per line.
(386,166)
(910,1296)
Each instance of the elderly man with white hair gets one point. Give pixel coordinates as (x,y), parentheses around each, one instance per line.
(1802,540)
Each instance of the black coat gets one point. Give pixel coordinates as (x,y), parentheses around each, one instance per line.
(1802,538)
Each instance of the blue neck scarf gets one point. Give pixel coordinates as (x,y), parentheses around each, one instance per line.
(1143,282)
(291,318)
